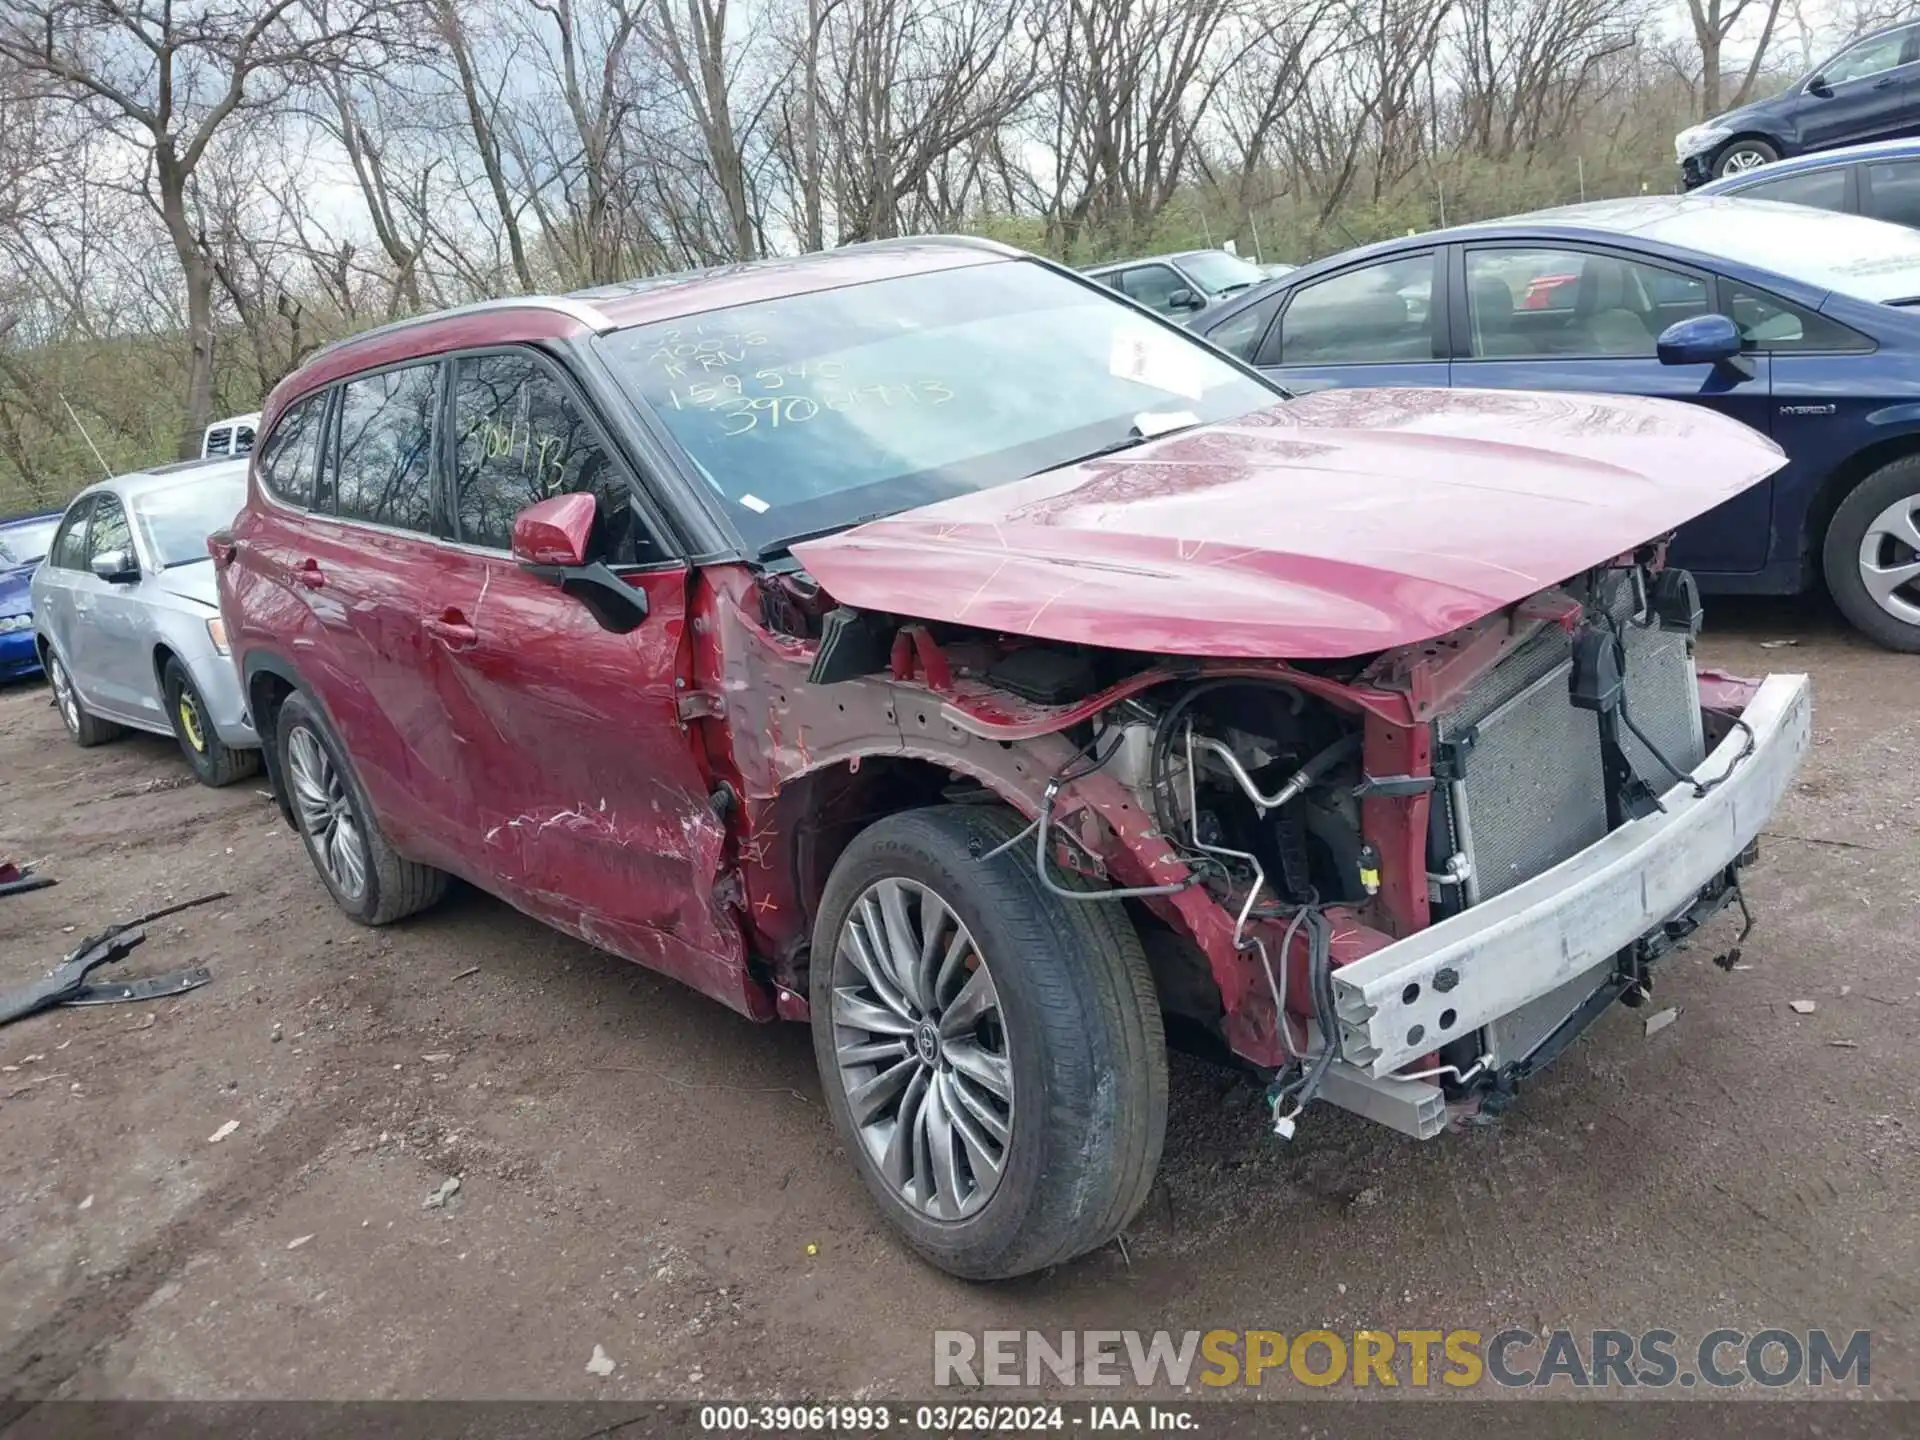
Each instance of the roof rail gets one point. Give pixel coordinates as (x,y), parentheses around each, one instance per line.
(588,315)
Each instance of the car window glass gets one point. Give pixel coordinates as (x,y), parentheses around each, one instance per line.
(519,438)
(1823,189)
(1378,313)
(385,468)
(1154,286)
(1769,323)
(1572,303)
(1240,334)
(1894,192)
(1868,58)
(108,533)
(291,458)
(70,548)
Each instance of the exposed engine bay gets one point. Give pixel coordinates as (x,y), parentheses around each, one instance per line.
(1298,842)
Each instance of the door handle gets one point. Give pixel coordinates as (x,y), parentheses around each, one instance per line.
(1886,84)
(451,629)
(309,574)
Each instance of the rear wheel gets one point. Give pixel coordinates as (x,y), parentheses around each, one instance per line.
(214,761)
(1872,555)
(370,880)
(1744,155)
(991,1053)
(86,730)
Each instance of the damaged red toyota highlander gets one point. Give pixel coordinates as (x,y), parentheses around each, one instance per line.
(920,640)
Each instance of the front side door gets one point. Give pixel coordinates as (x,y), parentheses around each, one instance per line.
(1376,324)
(591,808)
(1159,287)
(54,606)
(1870,92)
(110,661)
(1595,328)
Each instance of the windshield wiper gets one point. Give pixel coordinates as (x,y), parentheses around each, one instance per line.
(190,560)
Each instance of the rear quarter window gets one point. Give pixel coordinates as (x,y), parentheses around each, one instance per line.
(291,458)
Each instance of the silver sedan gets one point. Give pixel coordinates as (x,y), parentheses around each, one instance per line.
(128,622)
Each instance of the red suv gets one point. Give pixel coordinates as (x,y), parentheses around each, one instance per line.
(923,640)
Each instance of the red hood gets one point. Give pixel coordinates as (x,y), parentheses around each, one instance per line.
(1340,523)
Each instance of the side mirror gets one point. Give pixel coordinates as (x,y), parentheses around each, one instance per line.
(1185,299)
(1699,340)
(551,540)
(116,567)
(1818,86)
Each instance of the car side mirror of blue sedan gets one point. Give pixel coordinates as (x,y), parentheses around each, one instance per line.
(1699,340)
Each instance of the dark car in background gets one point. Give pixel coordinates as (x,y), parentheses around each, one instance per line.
(1802,323)
(1180,286)
(1870,90)
(23,544)
(1880,180)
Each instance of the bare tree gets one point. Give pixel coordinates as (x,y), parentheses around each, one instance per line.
(168,76)
(1714,22)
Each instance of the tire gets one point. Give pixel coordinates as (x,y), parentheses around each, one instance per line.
(87,730)
(214,762)
(1744,155)
(1079,1041)
(324,793)
(1871,555)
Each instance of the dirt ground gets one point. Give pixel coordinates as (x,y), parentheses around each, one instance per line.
(642,1171)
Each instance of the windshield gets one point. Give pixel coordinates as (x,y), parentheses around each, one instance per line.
(175,522)
(1867,259)
(27,542)
(1219,273)
(810,413)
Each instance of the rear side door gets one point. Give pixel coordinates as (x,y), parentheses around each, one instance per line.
(1380,323)
(1598,332)
(592,809)
(1865,93)
(362,563)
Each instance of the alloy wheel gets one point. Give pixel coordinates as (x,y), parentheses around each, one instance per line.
(326,814)
(1890,559)
(1741,160)
(921,1049)
(63,694)
(190,723)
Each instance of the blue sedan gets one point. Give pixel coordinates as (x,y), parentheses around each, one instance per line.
(1881,180)
(1803,323)
(23,544)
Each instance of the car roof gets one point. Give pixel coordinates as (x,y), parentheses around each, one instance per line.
(136,483)
(1819,160)
(1106,266)
(650,298)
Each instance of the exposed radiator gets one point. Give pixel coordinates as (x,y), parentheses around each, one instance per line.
(1532,792)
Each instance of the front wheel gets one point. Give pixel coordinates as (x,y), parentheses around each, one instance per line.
(991,1053)
(1872,555)
(1744,155)
(214,762)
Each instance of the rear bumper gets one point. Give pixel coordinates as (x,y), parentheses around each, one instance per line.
(1491,960)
